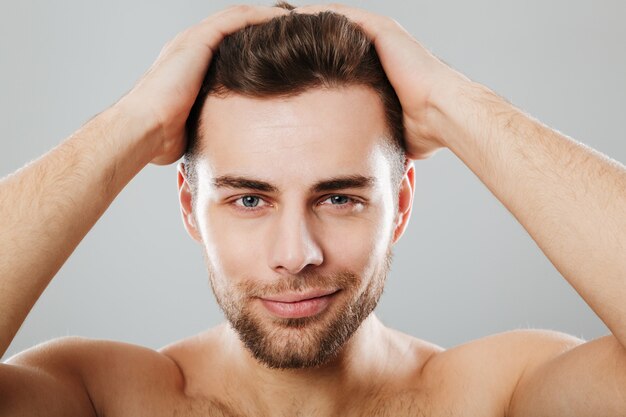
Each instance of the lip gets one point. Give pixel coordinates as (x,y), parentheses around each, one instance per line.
(305,305)
(296,297)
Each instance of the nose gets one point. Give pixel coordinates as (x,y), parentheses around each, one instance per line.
(294,246)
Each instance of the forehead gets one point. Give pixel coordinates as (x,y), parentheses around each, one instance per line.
(300,139)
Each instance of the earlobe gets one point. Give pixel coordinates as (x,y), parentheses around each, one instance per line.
(405,201)
(185,198)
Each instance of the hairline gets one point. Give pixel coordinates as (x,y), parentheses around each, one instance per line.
(391,144)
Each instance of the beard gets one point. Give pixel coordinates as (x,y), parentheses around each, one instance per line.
(307,342)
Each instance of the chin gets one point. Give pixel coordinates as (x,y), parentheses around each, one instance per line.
(306,342)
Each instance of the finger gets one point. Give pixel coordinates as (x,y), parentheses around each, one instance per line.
(214,28)
(371,23)
(395,47)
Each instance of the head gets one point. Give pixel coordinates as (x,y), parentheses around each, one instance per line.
(295,180)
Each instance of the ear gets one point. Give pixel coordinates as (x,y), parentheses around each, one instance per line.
(186,208)
(405,200)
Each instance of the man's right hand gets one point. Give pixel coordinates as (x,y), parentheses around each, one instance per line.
(48,206)
(166,92)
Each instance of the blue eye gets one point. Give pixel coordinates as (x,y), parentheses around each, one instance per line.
(250,201)
(339,199)
(343,202)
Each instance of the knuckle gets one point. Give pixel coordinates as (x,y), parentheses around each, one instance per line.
(390,23)
(388,20)
(241,8)
(335,6)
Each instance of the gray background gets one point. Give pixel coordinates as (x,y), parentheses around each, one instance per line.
(464,269)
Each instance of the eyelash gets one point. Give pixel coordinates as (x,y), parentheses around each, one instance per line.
(351,202)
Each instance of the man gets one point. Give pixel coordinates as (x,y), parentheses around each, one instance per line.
(296,210)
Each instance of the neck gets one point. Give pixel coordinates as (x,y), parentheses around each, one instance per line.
(352,371)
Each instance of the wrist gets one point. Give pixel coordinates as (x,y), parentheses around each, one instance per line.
(134,128)
(458,113)
(118,143)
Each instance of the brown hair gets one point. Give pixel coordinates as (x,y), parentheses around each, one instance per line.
(289,55)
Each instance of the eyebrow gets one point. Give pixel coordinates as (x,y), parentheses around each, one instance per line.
(331,184)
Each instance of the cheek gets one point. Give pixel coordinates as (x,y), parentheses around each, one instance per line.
(233,247)
(358,247)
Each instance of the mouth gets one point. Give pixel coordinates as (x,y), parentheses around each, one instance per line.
(296,297)
(299,305)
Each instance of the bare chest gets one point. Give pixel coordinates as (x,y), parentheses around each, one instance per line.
(400,404)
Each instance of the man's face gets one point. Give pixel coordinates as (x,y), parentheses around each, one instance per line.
(294,201)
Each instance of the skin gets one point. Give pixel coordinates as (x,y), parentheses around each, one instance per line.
(294,144)
(316,136)
(379,371)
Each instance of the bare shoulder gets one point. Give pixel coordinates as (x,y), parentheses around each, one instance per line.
(117,376)
(194,355)
(482,374)
(515,345)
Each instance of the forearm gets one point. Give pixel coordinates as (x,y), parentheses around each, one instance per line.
(570,198)
(48,206)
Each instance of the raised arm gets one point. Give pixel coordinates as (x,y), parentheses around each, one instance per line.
(48,206)
(570,198)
